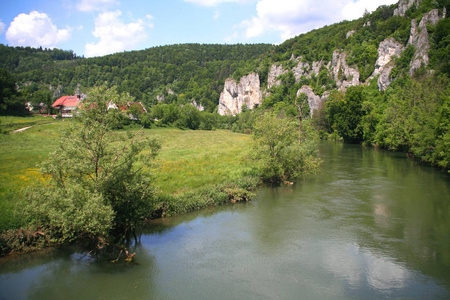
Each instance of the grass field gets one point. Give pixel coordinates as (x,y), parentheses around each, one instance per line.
(188,161)
(10,123)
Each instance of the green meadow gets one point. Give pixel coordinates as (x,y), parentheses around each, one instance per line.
(189,162)
(10,123)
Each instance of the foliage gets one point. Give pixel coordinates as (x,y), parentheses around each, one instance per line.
(440,47)
(416,119)
(95,181)
(10,102)
(412,116)
(179,73)
(227,192)
(344,113)
(279,154)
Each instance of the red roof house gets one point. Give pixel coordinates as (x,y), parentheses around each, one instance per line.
(67,105)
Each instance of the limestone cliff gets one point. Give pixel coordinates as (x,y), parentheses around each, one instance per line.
(384,65)
(419,38)
(197,105)
(235,95)
(342,73)
(274,72)
(314,101)
(301,69)
(404,5)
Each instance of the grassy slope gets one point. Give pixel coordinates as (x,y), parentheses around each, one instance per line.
(189,160)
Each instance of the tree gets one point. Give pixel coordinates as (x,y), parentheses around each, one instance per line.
(344,113)
(190,117)
(278,153)
(10,102)
(300,102)
(94,183)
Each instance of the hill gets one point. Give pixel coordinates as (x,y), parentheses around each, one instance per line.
(176,73)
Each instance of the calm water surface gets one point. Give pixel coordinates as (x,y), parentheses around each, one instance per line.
(372,225)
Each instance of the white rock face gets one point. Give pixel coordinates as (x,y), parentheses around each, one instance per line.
(301,69)
(275,71)
(419,38)
(350,33)
(197,105)
(385,80)
(383,66)
(342,73)
(235,95)
(404,5)
(314,101)
(316,65)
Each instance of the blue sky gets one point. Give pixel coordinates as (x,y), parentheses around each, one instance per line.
(100,27)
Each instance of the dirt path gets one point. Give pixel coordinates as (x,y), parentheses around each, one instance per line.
(21,129)
(25,128)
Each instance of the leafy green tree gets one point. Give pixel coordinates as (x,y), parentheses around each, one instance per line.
(190,117)
(278,153)
(94,183)
(10,102)
(344,113)
(42,100)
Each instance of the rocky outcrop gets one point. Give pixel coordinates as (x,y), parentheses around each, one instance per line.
(274,73)
(316,65)
(404,5)
(350,33)
(301,69)
(342,73)
(385,76)
(235,95)
(197,105)
(383,66)
(419,38)
(314,101)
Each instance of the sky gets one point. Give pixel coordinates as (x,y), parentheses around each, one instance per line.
(100,27)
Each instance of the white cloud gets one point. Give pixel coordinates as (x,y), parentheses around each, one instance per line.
(35,29)
(2,27)
(216,15)
(289,18)
(216,2)
(355,10)
(93,5)
(116,36)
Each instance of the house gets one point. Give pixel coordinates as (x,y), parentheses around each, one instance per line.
(67,105)
(132,109)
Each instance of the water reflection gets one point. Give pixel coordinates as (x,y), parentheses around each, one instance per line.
(371,225)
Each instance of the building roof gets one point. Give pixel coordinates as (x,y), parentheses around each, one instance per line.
(67,101)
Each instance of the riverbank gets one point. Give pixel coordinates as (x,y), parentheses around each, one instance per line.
(372,224)
(194,169)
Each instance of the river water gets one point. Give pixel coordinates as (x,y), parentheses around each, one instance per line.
(371,225)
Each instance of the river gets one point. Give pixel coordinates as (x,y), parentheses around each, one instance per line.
(371,225)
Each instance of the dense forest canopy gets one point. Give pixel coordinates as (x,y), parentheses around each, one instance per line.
(177,72)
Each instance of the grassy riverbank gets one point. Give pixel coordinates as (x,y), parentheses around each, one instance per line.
(194,168)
